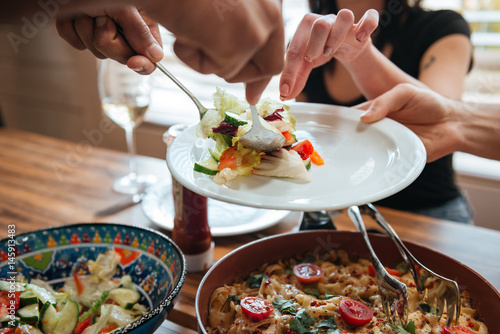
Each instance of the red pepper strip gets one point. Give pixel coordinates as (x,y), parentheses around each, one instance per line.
(80,327)
(287,135)
(317,159)
(107,329)
(393,272)
(78,282)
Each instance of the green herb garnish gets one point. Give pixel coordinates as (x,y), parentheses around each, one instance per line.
(284,306)
(302,322)
(403,267)
(230,298)
(328,295)
(409,329)
(254,281)
(329,324)
(312,291)
(426,308)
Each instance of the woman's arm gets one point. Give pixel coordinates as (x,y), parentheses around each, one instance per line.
(444,125)
(442,68)
(375,74)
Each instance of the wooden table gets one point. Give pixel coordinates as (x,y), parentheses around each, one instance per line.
(48,182)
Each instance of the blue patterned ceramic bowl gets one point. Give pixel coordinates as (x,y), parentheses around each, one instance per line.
(155,263)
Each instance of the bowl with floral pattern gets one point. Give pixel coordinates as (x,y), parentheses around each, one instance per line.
(154,263)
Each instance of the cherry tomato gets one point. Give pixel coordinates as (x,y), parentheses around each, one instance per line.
(308,273)
(228,163)
(355,313)
(5,301)
(304,149)
(229,152)
(256,309)
(454,329)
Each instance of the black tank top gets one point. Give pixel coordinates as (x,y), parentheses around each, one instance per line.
(436,184)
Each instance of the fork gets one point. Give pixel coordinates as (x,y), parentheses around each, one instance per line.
(445,289)
(394,293)
(259,138)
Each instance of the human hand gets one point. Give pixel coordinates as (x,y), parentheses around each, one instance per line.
(428,114)
(97,30)
(246,43)
(320,38)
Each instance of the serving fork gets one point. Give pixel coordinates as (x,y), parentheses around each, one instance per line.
(443,289)
(394,293)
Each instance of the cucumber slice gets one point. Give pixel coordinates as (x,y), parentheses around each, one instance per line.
(233,119)
(62,322)
(222,138)
(215,154)
(29,313)
(222,143)
(27,298)
(29,329)
(8,286)
(42,294)
(9,323)
(4,285)
(208,166)
(126,298)
(307,163)
(106,311)
(62,298)
(121,317)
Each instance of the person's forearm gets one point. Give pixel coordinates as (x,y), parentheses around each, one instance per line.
(375,74)
(480,127)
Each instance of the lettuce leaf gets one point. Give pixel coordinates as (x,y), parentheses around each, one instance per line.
(283,163)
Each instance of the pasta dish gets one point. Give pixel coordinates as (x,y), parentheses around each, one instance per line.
(327,294)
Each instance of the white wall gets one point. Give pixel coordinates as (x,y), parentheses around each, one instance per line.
(48,87)
(480,178)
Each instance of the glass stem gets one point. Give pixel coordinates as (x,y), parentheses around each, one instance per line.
(132,160)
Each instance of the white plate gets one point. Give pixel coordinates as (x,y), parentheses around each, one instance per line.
(224,219)
(363,163)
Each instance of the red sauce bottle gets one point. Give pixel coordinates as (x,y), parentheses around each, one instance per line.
(191,231)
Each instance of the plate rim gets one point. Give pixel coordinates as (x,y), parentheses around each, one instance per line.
(323,109)
(218,231)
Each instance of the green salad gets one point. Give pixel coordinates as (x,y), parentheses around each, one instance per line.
(230,119)
(93,304)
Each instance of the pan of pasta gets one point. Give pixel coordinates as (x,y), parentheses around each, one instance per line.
(321,282)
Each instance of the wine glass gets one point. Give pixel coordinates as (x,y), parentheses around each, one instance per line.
(125,97)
